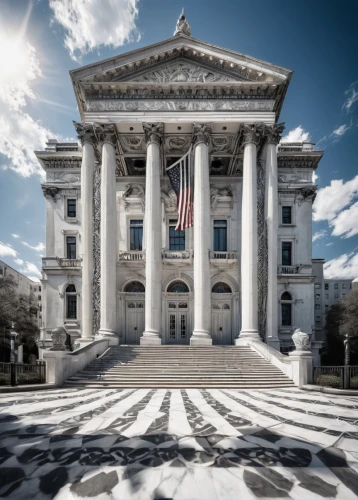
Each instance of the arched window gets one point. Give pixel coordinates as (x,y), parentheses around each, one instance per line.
(221,288)
(178,287)
(71,302)
(286,309)
(135,287)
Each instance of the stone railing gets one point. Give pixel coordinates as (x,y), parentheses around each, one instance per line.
(176,254)
(226,256)
(288,269)
(132,256)
(68,262)
(57,262)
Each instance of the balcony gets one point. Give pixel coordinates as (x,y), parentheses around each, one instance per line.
(288,270)
(60,263)
(132,257)
(174,257)
(221,258)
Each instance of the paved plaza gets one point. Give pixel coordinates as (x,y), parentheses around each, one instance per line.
(178,444)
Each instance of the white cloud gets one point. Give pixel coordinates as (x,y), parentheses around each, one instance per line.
(6,250)
(296,135)
(332,199)
(30,269)
(319,234)
(38,248)
(15,235)
(20,135)
(345,266)
(93,23)
(34,278)
(352,97)
(341,130)
(315,177)
(346,223)
(19,262)
(329,244)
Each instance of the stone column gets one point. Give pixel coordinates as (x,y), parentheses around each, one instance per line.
(108,233)
(202,289)
(249,247)
(87,137)
(273,138)
(50,226)
(153,236)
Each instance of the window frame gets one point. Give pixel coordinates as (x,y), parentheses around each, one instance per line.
(291,253)
(286,203)
(67,247)
(67,218)
(130,219)
(67,200)
(291,215)
(170,225)
(215,220)
(74,299)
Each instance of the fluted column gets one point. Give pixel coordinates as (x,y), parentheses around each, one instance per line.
(108,233)
(249,244)
(273,138)
(202,289)
(153,236)
(87,137)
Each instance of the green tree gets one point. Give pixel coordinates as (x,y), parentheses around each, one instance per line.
(18,309)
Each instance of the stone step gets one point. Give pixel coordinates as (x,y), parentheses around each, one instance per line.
(190,385)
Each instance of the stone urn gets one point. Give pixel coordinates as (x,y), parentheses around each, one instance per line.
(58,336)
(301,340)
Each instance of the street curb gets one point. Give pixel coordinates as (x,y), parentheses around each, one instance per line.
(330,390)
(27,388)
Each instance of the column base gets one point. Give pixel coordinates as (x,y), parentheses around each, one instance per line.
(109,334)
(198,341)
(150,339)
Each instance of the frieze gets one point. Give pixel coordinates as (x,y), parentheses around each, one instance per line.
(134,194)
(132,143)
(294,178)
(183,71)
(177,144)
(178,105)
(63,163)
(222,143)
(223,195)
(63,177)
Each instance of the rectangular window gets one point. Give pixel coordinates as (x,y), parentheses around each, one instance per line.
(318,295)
(286,215)
(39,297)
(318,324)
(286,253)
(317,285)
(326,306)
(318,306)
(71,307)
(326,286)
(336,296)
(220,236)
(71,208)
(136,234)
(39,289)
(70,247)
(336,286)
(343,285)
(176,238)
(286,314)
(326,295)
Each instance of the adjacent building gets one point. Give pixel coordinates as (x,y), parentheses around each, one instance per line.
(116,262)
(25,286)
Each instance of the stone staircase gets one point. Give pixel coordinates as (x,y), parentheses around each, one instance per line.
(180,367)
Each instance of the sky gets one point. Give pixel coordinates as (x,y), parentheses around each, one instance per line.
(42,40)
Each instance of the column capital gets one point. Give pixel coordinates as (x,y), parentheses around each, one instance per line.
(201,133)
(153,132)
(85,132)
(252,133)
(107,133)
(274,132)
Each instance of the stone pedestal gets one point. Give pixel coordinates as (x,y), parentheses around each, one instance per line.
(152,231)
(201,264)
(108,235)
(249,245)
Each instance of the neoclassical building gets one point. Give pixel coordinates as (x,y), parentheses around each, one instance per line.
(115,264)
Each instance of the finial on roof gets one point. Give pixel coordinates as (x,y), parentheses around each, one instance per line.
(183,27)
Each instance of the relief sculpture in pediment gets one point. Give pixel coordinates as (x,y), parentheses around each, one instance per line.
(183,72)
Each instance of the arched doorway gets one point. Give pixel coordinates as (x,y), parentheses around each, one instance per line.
(221,314)
(177,313)
(134,306)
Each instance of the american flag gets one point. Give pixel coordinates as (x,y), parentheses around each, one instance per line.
(181,180)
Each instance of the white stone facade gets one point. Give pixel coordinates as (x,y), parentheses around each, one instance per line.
(252,233)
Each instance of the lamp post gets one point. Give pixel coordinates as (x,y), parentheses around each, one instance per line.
(347,351)
(13,336)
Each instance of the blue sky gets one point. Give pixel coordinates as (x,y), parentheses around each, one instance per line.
(41,41)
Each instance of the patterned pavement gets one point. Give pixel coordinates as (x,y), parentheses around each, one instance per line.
(178,444)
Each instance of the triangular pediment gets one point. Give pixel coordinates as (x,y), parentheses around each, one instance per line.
(182,70)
